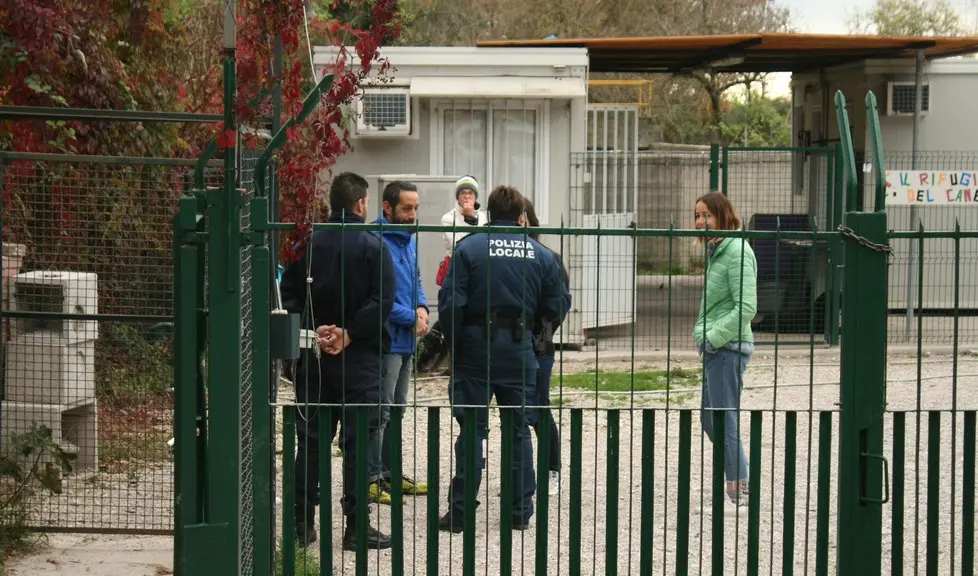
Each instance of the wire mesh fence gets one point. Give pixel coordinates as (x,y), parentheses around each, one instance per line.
(88,275)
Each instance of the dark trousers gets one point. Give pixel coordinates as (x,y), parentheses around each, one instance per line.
(326,387)
(468,391)
(546,368)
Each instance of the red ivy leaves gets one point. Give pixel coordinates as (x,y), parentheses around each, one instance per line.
(313,147)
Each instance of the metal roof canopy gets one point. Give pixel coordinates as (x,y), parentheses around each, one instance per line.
(747,52)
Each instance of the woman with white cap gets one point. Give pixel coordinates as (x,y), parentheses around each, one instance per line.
(466,213)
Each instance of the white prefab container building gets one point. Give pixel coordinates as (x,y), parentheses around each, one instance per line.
(506,116)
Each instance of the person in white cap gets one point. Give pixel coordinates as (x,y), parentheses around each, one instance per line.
(466,213)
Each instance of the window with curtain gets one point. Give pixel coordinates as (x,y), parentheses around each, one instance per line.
(506,154)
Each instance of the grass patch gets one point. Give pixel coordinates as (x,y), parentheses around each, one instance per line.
(639,381)
(306,561)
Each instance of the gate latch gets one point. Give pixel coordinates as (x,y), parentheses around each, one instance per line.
(867,457)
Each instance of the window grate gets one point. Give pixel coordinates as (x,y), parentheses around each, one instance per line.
(384,110)
(903,98)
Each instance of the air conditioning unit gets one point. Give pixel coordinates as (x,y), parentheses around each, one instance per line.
(384,112)
(901,96)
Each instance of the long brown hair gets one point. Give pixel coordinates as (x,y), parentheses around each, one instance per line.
(722,210)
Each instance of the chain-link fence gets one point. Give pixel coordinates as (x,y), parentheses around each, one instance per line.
(88,277)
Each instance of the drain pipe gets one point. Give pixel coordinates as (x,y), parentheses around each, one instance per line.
(914,165)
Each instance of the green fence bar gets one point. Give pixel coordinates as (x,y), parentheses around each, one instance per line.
(968,497)
(262,415)
(288,491)
(933,492)
(576,461)
(325,491)
(186,503)
(719,487)
(899,470)
(434,429)
(824,493)
(395,428)
(543,492)
(754,488)
(682,500)
(611,496)
(506,488)
(714,167)
(647,530)
(362,518)
(470,440)
(790,468)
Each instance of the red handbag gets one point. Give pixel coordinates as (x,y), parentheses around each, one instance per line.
(442,271)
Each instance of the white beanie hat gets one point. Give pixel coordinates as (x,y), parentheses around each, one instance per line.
(466,183)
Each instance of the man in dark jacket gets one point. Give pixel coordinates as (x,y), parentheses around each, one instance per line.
(409,317)
(498,284)
(343,287)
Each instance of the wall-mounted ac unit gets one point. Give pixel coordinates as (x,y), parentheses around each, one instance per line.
(384,112)
(901,96)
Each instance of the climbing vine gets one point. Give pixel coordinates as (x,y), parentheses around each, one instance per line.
(312,147)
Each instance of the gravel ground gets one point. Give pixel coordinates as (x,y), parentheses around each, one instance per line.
(793,371)
(117,499)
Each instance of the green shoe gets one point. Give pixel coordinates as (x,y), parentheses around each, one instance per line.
(410,487)
(380,493)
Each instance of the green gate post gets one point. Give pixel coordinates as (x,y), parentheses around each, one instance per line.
(863,474)
(714,167)
(212,547)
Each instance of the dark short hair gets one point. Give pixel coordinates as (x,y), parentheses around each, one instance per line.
(392,192)
(346,190)
(505,203)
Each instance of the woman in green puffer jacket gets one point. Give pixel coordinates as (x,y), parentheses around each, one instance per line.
(723,335)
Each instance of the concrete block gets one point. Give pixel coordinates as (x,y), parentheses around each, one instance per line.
(74,429)
(42,367)
(57,292)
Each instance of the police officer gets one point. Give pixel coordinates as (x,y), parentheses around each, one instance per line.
(350,298)
(497,286)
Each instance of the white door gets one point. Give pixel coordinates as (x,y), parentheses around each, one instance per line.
(609,201)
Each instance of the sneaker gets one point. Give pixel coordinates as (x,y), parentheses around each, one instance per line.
(735,503)
(554,486)
(412,488)
(380,493)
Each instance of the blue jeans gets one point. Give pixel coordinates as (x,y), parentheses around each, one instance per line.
(722,384)
(545,369)
(393,391)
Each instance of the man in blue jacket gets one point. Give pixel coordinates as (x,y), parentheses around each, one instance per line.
(343,288)
(409,316)
(498,286)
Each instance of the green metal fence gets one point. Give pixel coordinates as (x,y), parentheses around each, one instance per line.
(641,489)
(86,345)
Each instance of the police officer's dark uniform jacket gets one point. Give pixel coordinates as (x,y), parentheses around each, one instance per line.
(498,286)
